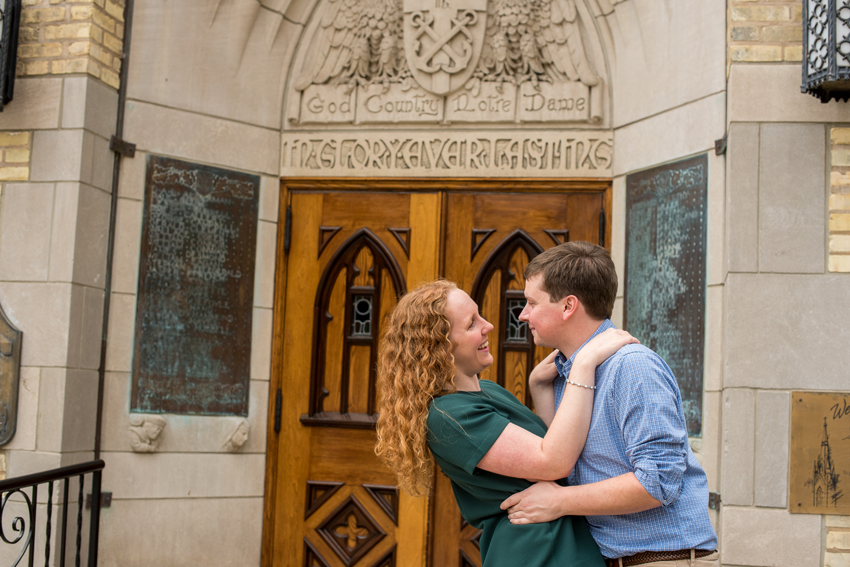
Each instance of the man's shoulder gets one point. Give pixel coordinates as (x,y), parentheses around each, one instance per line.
(638,362)
(635,353)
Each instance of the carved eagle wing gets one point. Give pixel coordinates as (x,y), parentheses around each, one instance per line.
(357,42)
(531,40)
(560,42)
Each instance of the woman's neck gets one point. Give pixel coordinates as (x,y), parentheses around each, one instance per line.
(465,383)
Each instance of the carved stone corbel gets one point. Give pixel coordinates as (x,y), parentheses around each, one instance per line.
(146,432)
(238,436)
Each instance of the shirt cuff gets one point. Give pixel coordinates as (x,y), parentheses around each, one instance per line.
(649,477)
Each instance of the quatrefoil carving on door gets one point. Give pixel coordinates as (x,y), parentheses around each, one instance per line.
(350,531)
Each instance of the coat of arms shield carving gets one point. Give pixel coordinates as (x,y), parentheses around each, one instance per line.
(443,40)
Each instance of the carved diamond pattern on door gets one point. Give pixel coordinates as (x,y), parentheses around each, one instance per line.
(318,493)
(350,531)
(387,560)
(386,497)
(465,560)
(313,558)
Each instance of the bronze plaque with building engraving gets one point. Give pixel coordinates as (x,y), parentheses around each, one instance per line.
(820,453)
(192,351)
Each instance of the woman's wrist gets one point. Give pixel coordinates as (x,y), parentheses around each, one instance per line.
(583,366)
(583,372)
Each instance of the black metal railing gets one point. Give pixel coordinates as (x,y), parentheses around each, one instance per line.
(22,531)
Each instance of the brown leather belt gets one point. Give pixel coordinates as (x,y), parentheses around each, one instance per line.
(653,556)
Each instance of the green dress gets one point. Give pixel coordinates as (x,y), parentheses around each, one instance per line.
(461,429)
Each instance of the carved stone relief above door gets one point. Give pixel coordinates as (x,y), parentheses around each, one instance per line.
(430,62)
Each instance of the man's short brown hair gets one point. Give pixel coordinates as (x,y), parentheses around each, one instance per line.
(581,269)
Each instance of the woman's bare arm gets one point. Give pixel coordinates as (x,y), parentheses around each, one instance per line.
(541,389)
(520,453)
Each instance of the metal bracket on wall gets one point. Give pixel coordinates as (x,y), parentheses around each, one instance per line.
(105,500)
(126,149)
(720,145)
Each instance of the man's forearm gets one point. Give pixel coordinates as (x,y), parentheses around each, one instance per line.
(622,494)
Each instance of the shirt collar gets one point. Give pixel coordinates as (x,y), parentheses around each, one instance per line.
(564,364)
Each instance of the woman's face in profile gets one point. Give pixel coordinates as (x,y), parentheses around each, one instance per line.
(468,335)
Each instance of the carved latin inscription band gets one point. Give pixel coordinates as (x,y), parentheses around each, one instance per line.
(568,154)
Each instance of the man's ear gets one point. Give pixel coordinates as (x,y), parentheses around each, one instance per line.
(569,305)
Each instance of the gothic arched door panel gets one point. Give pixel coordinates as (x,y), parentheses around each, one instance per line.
(334,504)
(489,239)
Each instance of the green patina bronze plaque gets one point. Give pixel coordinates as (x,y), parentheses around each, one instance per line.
(192,352)
(665,271)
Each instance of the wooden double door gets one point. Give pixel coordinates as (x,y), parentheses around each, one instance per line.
(350,250)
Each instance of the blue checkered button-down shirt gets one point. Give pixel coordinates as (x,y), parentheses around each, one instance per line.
(638,426)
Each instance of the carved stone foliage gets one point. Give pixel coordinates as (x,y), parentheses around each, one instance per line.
(415,61)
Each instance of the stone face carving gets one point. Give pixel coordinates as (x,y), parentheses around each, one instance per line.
(568,154)
(390,61)
(145,432)
(238,436)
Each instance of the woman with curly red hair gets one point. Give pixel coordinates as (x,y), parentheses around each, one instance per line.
(488,443)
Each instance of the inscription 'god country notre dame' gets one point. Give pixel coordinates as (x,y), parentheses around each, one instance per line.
(489,102)
(579,154)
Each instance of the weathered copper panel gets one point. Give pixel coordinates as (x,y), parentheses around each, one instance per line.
(820,453)
(665,271)
(192,351)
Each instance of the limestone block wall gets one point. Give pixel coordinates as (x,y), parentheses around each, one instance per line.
(54,216)
(783,332)
(208,92)
(787,245)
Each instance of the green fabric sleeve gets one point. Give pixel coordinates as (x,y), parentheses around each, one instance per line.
(462,428)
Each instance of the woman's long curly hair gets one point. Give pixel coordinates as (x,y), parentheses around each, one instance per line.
(415,364)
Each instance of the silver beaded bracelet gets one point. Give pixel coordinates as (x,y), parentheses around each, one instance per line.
(580,385)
